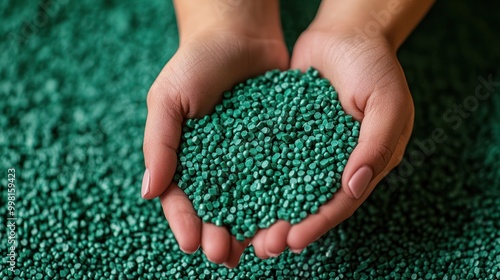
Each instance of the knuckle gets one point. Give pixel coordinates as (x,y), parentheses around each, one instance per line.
(384,153)
(176,91)
(348,205)
(168,86)
(169,103)
(156,94)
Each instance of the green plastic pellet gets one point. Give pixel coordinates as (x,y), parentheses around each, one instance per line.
(299,144)
(309,188)
(307,179)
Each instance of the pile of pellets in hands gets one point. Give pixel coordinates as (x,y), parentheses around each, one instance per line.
(274,149)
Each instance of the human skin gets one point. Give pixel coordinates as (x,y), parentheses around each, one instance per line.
(218,50)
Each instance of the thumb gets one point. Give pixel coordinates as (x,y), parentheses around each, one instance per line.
(161,140)
(386,125)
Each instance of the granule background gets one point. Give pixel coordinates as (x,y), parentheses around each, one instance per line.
(73,81)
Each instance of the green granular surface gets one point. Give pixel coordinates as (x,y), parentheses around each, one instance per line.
(274,149)
(72,115)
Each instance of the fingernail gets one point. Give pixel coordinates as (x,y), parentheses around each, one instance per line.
(297,251)
(360,180)
(273,255)
(145,183)
(189,252)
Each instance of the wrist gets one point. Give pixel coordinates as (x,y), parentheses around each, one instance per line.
(389,20)
(352,31)
(347,35)
(254,19)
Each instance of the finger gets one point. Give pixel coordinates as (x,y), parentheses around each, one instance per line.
(314,226)
(182,218)
(400,151)
(258,243)
(275,242)
(215,242)
(161,140)
(235,252)
(385,117)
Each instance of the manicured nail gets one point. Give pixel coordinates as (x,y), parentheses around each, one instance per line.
(145,183)
(360,180)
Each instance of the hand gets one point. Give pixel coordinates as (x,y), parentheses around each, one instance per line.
(209,61)
(373,89)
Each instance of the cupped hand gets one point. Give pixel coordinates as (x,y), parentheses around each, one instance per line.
(372,88)
(189,86)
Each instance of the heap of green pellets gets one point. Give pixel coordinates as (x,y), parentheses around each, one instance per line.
(274,149)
